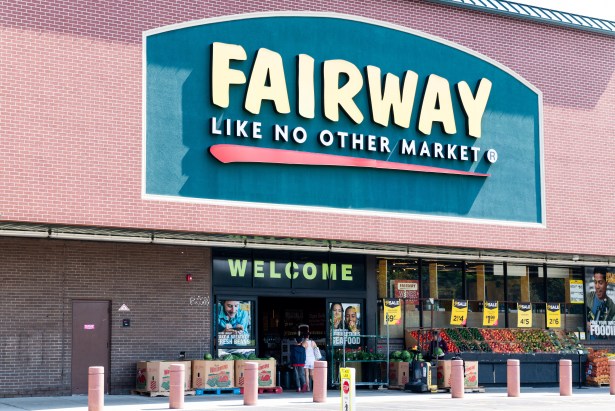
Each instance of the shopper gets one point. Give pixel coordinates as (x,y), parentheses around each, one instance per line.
(310,358)
(297,362)
(437,347)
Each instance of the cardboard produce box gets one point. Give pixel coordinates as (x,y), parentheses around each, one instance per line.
(266,372)
(444,374)
(213,374)
(155,376)
(399,373)
(471,379)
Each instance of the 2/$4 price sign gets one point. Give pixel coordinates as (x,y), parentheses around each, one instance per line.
(459,313)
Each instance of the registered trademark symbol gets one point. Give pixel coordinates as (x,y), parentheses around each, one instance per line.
(491,155)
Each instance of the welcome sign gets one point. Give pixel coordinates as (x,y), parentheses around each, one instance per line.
(338,112)
(306,271)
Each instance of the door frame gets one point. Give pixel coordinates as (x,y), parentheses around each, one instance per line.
(107,372)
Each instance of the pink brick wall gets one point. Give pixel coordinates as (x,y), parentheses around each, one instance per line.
(41,278)
(70,122)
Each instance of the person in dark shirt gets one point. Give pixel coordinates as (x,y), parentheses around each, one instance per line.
(436,343)
(297,361)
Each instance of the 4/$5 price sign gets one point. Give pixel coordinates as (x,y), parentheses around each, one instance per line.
(524,315)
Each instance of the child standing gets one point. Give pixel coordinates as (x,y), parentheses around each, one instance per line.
(297,361)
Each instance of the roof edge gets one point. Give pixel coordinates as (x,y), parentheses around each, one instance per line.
(536,14)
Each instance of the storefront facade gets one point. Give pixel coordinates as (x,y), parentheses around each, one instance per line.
(161,161)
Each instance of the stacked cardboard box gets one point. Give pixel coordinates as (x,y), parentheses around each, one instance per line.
(444,374)
(155,376)
(598,368)
(266,372)
(399,373)
(213,374)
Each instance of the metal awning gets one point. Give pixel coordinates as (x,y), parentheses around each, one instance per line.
(535,13)
(384,250)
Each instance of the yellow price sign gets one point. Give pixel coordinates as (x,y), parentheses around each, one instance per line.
(459,313)
(392,311)
(554,315)
(524,315)
(490,313)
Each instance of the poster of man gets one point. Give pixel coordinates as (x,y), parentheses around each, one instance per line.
(345,320)
(234,323)
(599,303)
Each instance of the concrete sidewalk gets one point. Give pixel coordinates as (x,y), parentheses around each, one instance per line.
(493,398)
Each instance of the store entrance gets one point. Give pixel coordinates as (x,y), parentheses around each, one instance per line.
(279,322)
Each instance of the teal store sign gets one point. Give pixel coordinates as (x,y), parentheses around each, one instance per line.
(337,112)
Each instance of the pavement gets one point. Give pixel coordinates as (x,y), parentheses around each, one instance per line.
(542,399)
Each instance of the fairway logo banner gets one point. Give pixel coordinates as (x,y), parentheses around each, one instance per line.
(273,111)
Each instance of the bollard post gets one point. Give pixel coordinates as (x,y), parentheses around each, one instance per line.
(96,387)
(178,379)
(612,376)
(319,388)
(565,377)
(250,387)
(457,379)
(513,378)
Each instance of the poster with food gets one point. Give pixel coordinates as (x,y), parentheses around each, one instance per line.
(599,305)
(234,323)
(345,322)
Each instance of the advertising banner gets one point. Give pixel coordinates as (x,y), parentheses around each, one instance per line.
(345,323)
(576,292)
(300,110)
(407,289)
(234,323)
(600,309)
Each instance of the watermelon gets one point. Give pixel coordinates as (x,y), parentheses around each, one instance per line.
(208,357)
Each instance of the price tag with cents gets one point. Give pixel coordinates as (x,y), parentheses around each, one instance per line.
(490,313)
(459,313)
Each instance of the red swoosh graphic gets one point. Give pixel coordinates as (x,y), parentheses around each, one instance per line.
(232,153)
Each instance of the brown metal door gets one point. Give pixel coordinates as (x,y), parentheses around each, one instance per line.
(91,342)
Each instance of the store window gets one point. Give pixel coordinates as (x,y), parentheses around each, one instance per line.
(445,283)
(399,279)
(565,286)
